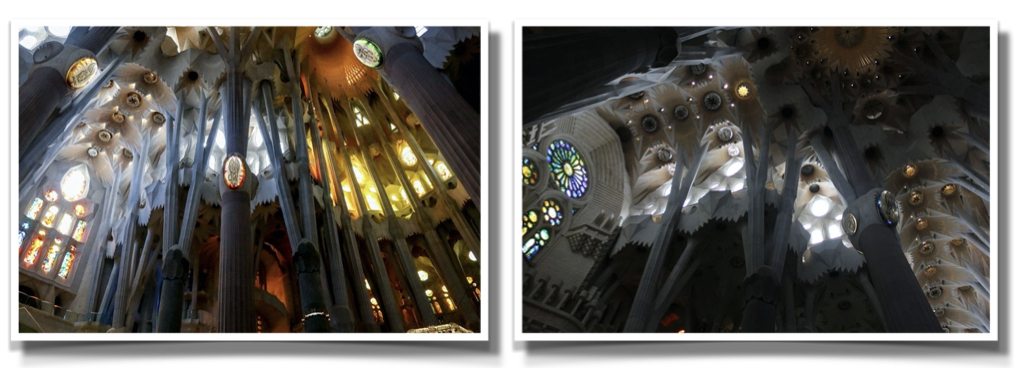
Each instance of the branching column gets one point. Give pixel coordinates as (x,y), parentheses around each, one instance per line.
(452,123)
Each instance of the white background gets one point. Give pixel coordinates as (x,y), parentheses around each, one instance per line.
(501,350)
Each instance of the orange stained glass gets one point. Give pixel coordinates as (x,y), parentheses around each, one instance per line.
(51,195)
(50,216)
(34,247)
(79,231)
(34,209)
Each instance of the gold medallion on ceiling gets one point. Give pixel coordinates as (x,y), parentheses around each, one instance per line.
(851,48)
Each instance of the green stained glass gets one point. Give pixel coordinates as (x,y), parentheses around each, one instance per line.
(79,231)
(68,263)
(34,209)
(567,168)
(529,172)
(533,245)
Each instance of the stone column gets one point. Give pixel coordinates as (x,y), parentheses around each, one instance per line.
(46,86)
(452,123)
(174,277)
(307,264)
(236,261)
(383,280)
(351,249)
(401,246)
(342,313)
(439,252)
(468,233)
(904,304)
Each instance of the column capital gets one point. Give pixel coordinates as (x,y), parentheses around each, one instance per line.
(373,45)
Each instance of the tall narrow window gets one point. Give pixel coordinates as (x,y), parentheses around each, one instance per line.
(50,217)
(54,251)
(34,209)
(35,247)
(68,262)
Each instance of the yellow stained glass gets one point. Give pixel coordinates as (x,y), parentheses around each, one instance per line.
(66,224)
(79,231)
(50,260)
(33,249)
(408,157)
(450,304)
(74,184)
(51,195)
(444,172)
(68,263)
(50,216)
(79,210)
(34,209)
(423,275)
(371,203)
(417,185)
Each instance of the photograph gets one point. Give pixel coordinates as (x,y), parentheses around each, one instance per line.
(235,180)
(814,181)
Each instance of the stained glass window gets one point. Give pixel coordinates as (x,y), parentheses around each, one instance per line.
(34,247)
(25,225)
(407,156)
(68,263)
(21,238)
(423,275)
(34,209)
(533,245)
(551,212)
(50,260)
(568,168)
(79,210)
(51,195)
(66,224)
(74,184)
(50,216)
(360,119)
(79,231)
(529,171)
(444,172)
(529,221)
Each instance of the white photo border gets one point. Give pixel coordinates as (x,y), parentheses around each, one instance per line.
(13,211)
(515,211)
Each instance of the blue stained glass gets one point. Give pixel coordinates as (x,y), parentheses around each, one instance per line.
(567,168)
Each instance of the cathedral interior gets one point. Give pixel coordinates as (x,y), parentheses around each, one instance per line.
(720,179)
(249,179)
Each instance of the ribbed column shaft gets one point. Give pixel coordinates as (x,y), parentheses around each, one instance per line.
(439,251)
(38,98)
(235,267)
(174,276)
(905,306)
(464,228)
(452,123)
